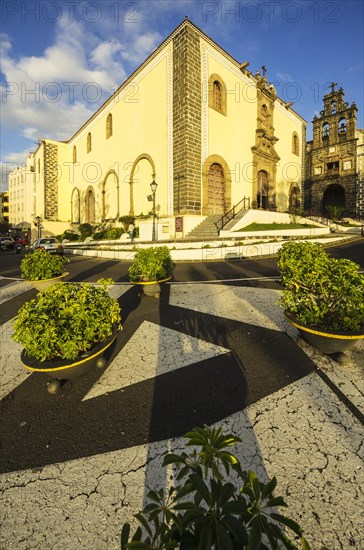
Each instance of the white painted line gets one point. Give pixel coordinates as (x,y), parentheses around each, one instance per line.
(13,289)
(255,306)
(150,352)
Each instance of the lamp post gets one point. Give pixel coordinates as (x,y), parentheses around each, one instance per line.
(153,187)
(39,226)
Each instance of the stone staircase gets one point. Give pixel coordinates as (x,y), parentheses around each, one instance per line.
(206,229)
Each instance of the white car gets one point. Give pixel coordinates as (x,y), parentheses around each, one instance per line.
(50,244)
(6,242)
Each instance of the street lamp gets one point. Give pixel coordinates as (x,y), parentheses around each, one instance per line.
(39,226)
(153,187)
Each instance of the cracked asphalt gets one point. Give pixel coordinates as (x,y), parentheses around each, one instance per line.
(77,465)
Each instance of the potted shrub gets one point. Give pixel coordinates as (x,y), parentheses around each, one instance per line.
(66,329)
(323,296)
(151,266)
(43,269)
(204,509)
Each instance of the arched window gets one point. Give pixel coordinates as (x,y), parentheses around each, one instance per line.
(108,125)
(333,107)
(74,154)
(217,94)
(341,128)
(295,144)
(90,205)
(89,142)
(325,130)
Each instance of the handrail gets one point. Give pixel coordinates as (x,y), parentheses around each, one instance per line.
(220,224)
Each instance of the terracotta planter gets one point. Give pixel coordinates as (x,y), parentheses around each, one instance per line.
(327,341)
(43,284)
(68,369)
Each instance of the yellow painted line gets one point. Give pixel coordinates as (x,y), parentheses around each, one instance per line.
(72,364)
(151,282)
(44,280)
(327,334)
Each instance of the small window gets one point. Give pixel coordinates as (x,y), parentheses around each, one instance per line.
(89,142)
(108,125)
(74,155)
(333,166)
(333,107)
(295,144)
(217,94)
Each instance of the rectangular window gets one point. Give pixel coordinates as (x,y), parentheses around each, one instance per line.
(333,166)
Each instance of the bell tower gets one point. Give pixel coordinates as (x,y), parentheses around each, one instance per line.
(332,158)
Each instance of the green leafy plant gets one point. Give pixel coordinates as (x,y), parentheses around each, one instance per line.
(41,265)
(335,212)
(104,232)
(66,320)
(126,221)
(320,290)
(69,235)
(151,264)
(86,230)
(205,511)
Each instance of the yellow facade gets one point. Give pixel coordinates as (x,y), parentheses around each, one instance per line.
(162,124)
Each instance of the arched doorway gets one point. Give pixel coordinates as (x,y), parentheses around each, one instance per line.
(90,205)
(262,192)
(334,195)
(216,189)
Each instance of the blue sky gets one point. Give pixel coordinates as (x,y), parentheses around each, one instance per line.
(60,60)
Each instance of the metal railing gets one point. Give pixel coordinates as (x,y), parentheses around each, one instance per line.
(220,224)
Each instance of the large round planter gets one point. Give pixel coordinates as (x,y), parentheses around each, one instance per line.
(327,341)
(152,288)
(43,284)
(68,369)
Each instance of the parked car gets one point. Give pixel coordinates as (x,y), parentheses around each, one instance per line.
(50,244)
(6,242)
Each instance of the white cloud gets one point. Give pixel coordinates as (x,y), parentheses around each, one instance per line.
(284,77)
(136,53)
(53,94)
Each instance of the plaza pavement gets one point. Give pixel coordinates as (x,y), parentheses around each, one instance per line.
(77,465)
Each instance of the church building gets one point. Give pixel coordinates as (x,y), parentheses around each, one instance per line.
(194,120)
(334,160)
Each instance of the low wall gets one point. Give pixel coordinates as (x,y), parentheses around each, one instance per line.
(201,252)
(309,232)
(166,227)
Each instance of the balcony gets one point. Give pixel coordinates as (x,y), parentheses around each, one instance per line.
(332,172)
